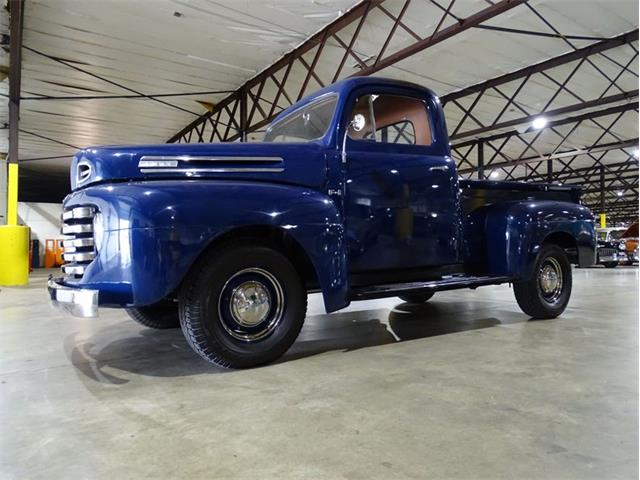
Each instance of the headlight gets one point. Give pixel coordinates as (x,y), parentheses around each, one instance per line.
(622,245)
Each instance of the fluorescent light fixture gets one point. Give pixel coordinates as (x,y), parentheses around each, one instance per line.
(494,174)
(539,122)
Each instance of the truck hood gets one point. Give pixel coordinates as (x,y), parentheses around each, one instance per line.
(296,163)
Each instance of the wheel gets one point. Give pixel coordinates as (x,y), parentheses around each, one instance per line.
(547,293)
(610,264)
(421,297)
(242,306)
(161,315)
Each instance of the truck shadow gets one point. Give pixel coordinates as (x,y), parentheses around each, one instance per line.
(164,353)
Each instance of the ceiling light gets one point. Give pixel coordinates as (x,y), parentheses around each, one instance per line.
(636,153)
(495,174)
(620,193)
(539,122)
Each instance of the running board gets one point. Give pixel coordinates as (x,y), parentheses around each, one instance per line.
(446,283)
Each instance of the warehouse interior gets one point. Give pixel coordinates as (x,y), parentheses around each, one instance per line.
(464,386)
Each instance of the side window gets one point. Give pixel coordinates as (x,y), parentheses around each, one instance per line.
(390,119)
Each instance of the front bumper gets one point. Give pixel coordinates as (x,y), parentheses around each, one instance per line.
(79,302)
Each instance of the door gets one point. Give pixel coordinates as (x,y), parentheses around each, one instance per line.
(401,197)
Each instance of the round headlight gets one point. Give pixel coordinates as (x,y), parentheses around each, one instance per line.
(622,245)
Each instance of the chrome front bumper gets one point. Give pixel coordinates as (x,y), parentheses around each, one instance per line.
(76,301)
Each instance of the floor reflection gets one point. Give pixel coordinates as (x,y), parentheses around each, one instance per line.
(165,353)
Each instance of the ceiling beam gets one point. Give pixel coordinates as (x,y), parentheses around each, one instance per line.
(562,155)
(221,124)
(437,37)
(620,97)
(555,123)
(546,65)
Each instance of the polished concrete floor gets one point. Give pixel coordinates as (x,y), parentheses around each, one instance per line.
(462,387)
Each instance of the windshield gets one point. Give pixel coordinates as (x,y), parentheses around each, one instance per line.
(304,125)
(616,234)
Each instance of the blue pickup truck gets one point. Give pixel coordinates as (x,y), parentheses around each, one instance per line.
(352,193)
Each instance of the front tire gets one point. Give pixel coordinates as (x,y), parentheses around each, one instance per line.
(421,297)
(610,264)
(242,306)
(160,316)
(547,293)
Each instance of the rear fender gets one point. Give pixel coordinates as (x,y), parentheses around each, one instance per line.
(514,232)
(155,231)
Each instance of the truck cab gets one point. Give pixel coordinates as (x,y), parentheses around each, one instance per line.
(353,193)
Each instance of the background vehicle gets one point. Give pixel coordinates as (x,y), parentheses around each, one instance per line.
(353,193)
(611,250)
(630,239)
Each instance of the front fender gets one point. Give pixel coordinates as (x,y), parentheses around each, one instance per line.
(515,231)
(155,231)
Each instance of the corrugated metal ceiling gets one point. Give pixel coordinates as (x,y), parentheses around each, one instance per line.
(176,46)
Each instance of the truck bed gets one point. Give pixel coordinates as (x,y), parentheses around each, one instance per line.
(478,193)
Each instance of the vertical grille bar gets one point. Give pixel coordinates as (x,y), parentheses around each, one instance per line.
(78,244)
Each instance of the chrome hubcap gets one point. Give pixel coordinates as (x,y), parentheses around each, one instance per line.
(250,303)
(550,279)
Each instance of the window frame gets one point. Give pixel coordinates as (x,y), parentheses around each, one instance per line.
(392,92)
(331,96)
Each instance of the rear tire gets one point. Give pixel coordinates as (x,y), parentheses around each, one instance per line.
(610,264)
(242,306)
(421,297)
(160,316)
(547,293)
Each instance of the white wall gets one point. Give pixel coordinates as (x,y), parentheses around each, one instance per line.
(43,219)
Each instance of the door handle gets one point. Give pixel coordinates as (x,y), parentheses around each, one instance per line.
(442,168)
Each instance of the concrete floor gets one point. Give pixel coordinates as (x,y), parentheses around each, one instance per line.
(462,387)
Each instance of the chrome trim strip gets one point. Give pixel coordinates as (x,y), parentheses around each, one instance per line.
(197,158)
(80,228)
(79,257)
(157,163)
(79,302)
(77,242)
(73,269)
(78,212)
(212,170)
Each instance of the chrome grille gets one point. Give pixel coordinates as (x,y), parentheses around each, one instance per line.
(78,245)
(607,252)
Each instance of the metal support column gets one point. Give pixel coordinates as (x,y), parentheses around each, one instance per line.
(549,170)
(16,22)
(480,161)
(14,239)
(243,115)
(602,190)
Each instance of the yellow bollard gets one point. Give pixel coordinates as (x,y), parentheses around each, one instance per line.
(14,239)
(14,255)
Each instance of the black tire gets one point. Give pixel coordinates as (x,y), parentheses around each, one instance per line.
(610,264)
(160,316)
(228,286)
(421,297)
(535,299)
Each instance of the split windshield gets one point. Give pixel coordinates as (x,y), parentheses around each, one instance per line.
(305,124)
